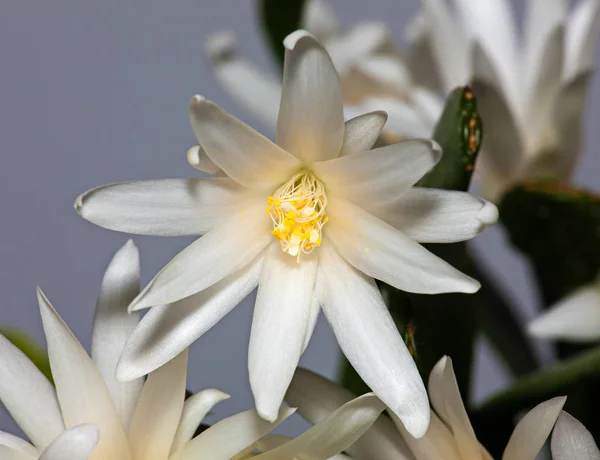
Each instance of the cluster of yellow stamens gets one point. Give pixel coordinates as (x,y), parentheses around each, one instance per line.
(298,212)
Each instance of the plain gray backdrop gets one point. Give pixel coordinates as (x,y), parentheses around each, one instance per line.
(96,92)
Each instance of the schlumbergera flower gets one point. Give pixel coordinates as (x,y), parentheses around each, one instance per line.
(450,435)
(312,221)
(575,318)
(91,415)
(531,95)
(373,74)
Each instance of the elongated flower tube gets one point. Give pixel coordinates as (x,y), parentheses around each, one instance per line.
(89,415)
(450,435)
(311,220)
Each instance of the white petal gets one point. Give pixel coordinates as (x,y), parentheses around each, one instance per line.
(382,252)
(447,401)
(544,88)
(245,155)
(362,132)
(164,207)
(198,159)
(14,442)
(570,440)
(332,435)
(380,175)
(320,19)
(311,118)
(158,411)
(28,396)
(78,443)
(387,73)
(484,69)
(316,398)
(315,309)
(230,436)
(279,326)
(82,394)
(533,430)
(439,216)
(448,42)
(196,407)
(576,317)
(113,326)
(493,25)
(208,260)
(9,453)
(421,60)
(166,331)
(580,40)
(369,339)
(246,83)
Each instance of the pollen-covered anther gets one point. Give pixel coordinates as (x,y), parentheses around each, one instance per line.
(298,212)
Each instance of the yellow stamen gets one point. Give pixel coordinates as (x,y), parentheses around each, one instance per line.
(297,210)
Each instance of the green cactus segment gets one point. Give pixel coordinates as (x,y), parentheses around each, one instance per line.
(279,21)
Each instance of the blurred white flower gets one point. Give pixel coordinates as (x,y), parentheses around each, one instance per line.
(450,435)
(91,415)
(575,318)
(372,72)
(530,93)
(337,215)
(571,440)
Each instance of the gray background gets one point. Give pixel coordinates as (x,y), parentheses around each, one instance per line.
(96,92)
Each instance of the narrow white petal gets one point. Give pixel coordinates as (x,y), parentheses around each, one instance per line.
(279,326)
(387,73)
(320,19)
(14,442)
(316,398)
(158,411)
(484,69)
(576,317)
(362,132)
(9,453)
(230,436)
(245,155)
(82,393)
(421,60)
(246,83)
(333,434)
(447,401)
(311,118)
(438,216)
(198,159)
(580,40)
(438,442)
(448,42)
(480,19)
(166,331)
(369,339)
(78,443)
(196,407)
(380,175)
(164,207)
(208,260)
(28,396)
(113,326)
(315,309)
(533,430)
(382,252)
(571,440)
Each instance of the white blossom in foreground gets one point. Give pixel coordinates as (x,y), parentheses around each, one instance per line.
(311,220)
(91,415)
(575,318)
(372,72)
(450,435)
(530,93)
(571,440)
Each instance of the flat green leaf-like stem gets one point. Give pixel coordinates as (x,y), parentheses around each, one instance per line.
(279,19)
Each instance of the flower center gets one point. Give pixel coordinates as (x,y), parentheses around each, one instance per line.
(297,210)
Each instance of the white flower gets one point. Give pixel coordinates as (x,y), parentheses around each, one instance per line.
(337,215)
(574,318)
(530,93)
(571,440)
(372,72)
(450,435)
(91,415)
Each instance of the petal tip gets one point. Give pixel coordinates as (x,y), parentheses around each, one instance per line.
(488,214)
(193,155)
(292,40)
(221,45)
(417,423)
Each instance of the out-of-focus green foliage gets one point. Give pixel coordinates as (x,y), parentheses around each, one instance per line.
(279,19)
(33,350)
